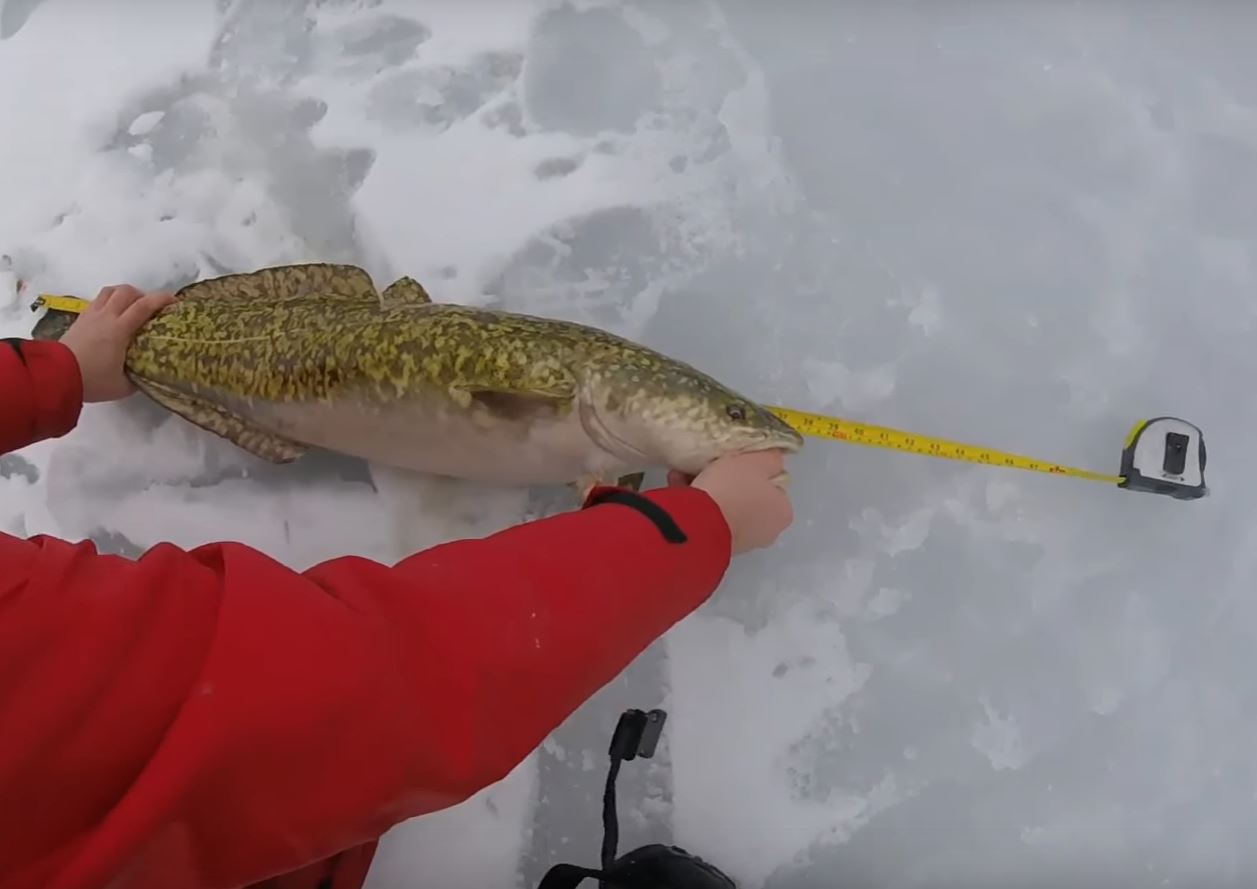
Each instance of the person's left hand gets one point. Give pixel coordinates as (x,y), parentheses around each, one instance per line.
(99,338)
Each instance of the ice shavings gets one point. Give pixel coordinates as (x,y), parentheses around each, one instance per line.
(144,123)
(9,285)
(80,63)
(927,314)
(476,843)
(831,383)
(998,739)
(718,667)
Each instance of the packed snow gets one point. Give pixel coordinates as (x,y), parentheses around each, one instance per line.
(1021,225)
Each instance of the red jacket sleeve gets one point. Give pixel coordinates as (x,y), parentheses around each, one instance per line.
(212,718)
(41,392)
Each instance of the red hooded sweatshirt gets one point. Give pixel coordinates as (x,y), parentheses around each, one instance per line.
(210,719)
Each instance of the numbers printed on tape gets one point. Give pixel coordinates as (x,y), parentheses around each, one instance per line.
(879,436)
(61,303)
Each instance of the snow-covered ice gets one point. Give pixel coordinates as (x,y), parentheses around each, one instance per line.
(1026,225)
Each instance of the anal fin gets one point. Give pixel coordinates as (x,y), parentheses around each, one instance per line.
(222,422)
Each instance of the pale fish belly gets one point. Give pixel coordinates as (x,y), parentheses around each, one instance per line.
(442,440)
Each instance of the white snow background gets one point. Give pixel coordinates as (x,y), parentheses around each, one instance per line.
(1024,225)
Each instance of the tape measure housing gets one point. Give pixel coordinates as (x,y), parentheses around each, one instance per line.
(1165,455)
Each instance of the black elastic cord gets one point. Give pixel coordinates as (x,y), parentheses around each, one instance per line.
(649,867)
(569,876)
(657,514)
(610,820)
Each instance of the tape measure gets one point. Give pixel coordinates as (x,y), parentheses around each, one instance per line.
(838,429)
(60,303)
(1173,464)
(1164,455)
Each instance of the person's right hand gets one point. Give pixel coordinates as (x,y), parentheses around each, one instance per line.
(99,338)
(750,491)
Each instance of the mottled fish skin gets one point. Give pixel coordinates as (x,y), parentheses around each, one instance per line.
(313,349)
(306,351)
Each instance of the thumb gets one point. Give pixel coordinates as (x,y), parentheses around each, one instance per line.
(769,463)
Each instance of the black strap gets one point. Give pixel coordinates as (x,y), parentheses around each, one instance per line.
(17,348)
(569,876)
(329,878)
(657,514)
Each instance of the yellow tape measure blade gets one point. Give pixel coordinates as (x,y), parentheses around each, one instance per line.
(60,303)
(821,426)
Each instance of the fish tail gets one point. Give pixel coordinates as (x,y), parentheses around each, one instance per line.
(53,325)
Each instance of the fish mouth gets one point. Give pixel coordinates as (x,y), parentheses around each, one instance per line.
(779,434)
(789,445)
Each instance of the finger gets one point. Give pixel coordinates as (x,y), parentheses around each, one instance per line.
(102,299)
(143,309)
(782,508)
(787,511)
(678,479)
(124,296)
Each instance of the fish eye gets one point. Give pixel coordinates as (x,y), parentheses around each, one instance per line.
(736,412)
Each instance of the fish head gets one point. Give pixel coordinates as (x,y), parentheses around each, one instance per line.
(663,413)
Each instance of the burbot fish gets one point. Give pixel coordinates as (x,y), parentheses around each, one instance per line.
(290,358)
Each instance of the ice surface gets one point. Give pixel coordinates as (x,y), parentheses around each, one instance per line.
(1023,225)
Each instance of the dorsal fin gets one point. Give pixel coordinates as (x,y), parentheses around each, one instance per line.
(406,292)
(283,282)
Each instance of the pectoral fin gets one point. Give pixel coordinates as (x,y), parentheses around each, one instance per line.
(224,423)
(512,404)
(586,483)
(519,406)
(632,481)
(322,280)
(544,397)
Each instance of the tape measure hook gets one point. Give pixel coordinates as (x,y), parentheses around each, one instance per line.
(1165,455)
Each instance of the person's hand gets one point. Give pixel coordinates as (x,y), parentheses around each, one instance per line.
(750,491)
(99,338)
